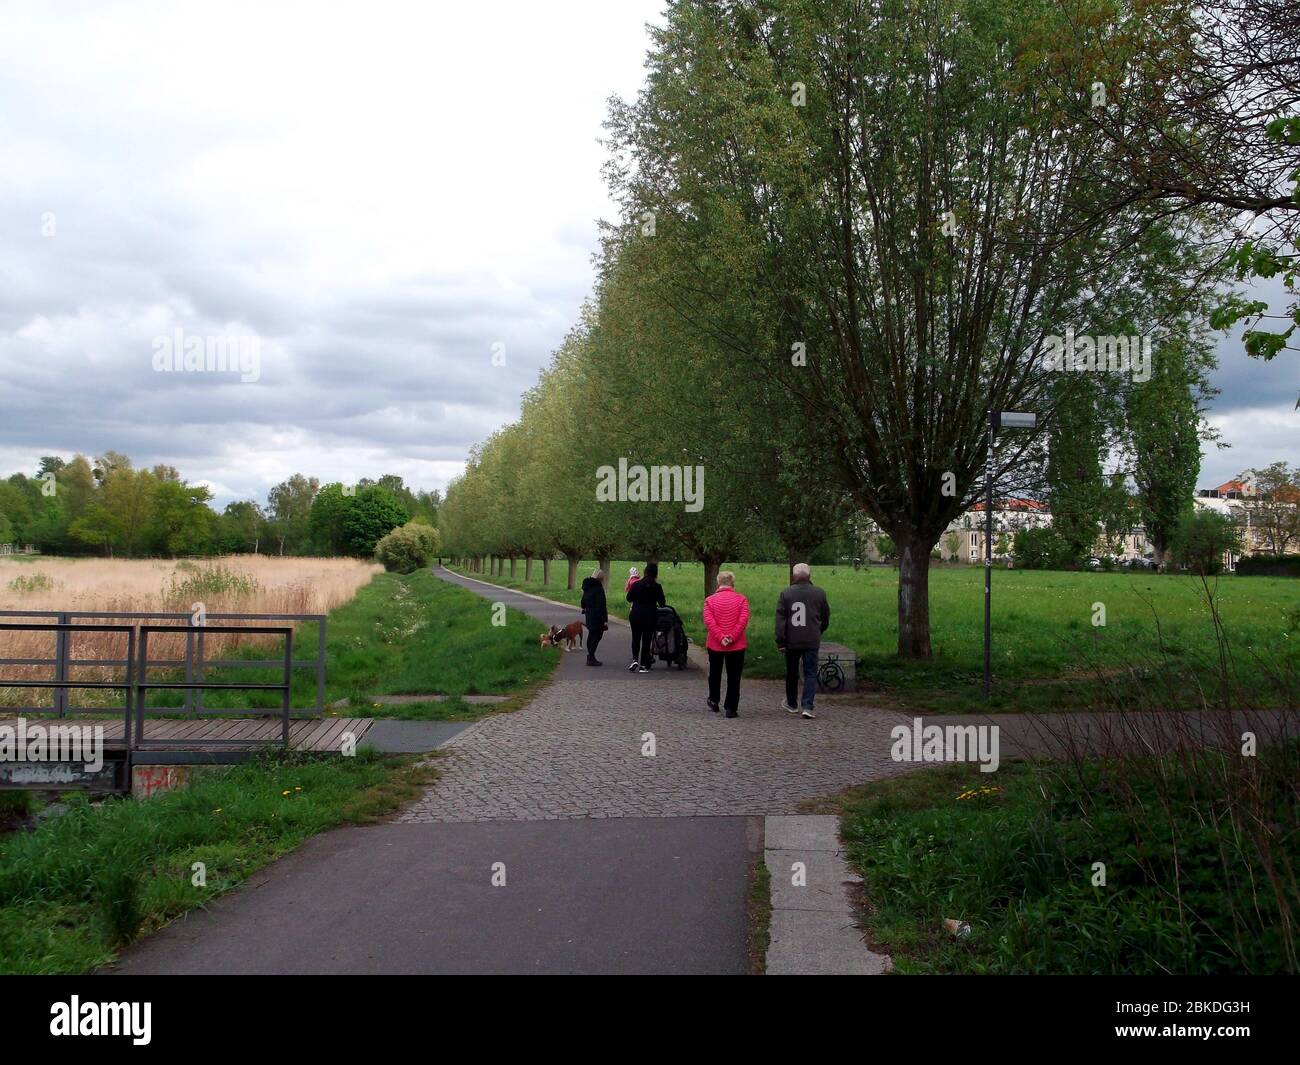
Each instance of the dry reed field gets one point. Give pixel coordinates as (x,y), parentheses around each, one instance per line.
(241,584)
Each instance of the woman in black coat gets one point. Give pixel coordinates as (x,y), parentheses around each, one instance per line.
(595,613)
(646,596)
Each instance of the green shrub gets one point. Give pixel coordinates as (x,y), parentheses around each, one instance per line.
(408,548)
(1041,549)
(37,582)
(1202,539)
(207,583)
(1269,566)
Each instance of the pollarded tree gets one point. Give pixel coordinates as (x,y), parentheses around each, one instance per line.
(667,408)
(753,441)
(571,425)
(891,182)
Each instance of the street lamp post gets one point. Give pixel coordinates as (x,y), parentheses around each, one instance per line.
(998,419)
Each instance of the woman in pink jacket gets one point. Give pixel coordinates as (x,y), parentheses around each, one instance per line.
(726,613)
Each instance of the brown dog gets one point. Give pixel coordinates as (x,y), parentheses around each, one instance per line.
(571,634)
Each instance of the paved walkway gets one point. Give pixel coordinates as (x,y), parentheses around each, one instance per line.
(627,896)
(579,748)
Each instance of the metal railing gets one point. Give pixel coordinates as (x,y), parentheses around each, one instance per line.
(194,663)
(60,685)
(136,686)
(143,686)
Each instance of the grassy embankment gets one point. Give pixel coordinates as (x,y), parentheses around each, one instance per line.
(1199,853)
(81,885)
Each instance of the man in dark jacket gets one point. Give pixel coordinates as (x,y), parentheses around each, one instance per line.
(802,615)
(594,612)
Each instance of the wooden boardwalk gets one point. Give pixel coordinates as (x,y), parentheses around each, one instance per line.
(323,734)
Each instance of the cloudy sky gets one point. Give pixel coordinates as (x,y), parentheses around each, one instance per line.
(383,194)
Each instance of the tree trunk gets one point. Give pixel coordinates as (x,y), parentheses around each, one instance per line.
(791,557)
(528,568)
(512,567)
(546,570)
(604,562)
(573,570)
(711,566)
(914,598)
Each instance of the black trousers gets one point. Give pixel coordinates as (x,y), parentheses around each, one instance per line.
(643,631)
(594,633)
(734,663)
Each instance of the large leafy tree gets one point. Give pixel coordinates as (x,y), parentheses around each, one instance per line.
(180,522)
(369,516)
(891,182)
(289,503)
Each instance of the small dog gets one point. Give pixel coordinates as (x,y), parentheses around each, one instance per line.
(571,634)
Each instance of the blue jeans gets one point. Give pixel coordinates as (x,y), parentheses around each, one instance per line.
(792,662)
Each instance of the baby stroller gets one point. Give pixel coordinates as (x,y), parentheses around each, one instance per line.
(669,641)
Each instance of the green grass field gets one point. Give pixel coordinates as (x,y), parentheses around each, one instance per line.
(1047,653)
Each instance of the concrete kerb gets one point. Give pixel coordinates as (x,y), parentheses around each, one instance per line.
(813,927)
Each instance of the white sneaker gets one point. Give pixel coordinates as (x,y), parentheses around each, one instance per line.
(806,714)
(634,667)
(642,669)
(789,709)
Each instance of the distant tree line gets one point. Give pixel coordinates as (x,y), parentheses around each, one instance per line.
(106,506)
